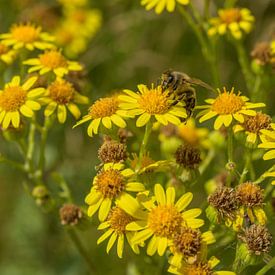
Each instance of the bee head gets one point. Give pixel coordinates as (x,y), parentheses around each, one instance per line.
(166,79)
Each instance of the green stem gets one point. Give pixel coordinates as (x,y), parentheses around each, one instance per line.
(230,145)
(30,149)
(267,267)
(74,237)
(207,161)
(148,129)
(247,165)
(245,66)
(12,163)
(255,93)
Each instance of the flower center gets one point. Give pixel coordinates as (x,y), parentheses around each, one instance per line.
(249,194)
(227,103)
(53,59)
(187,241)
(3,49)
(25,33)
(110,183)
(79,16)
(61,91)
(256,123)
(12,98)
(197,269)
(118,220)
(104,107)
(165,220)
(154,101)
(231,15)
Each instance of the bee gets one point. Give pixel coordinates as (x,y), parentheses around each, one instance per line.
(179,86)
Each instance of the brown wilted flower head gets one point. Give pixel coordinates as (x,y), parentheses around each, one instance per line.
(249,194)
(112,151)
(261,53)
(257,238)
(188,156)
(224,200)
(70,214)
(256,123)
(187,241)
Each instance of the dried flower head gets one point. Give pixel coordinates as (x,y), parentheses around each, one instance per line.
(112,151)
(70,214)
(262,53)
(258,239)
(188,156)
(249,194)
(224,200)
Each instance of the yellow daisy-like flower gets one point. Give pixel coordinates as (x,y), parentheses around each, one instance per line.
(199,268)
(7,54)
(188,245)
(228,106)
(151,102)
(253,126)
(160,5)
(232,20)
(52,61)
(268,142)
(60,96)
(162,219)
(116,223)
(112,182)
(27,36)
(18,99)
(106,111)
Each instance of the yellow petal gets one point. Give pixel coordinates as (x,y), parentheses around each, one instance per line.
(107,122)
(104,209)
(143,119)
(160,194)
(162,246)
(120,245)
(152,246)
(111,242)
(61,113)
(170,195)
(184,201)
(105,236)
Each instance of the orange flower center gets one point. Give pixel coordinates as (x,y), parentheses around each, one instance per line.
(231,15)
(227,103)
(3,49)
(104,107)
(110,183)
(165,220)
(197,269)
(118,219)
(249,194)
(154,101)
(12,98)
(25,33)
(61,91)
(53,59)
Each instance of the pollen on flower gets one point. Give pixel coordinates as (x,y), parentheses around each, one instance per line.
(187,241)
(12,98)
(110,183)
(26,33)
(53,59)
(61,91)
(154,101)
(165,220)
(227,103)
(197,269)
(231,15)
(104,107)
(118,219)
(249,194)
(256,123)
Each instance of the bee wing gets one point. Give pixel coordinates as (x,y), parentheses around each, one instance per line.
(199,82)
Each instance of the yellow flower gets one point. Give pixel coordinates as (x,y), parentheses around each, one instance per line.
(160,5)
(232,20)
(112,182)
(253,126)
(18,99)
(116,223)
(162,218)
(188,245)
(73,3)
(268,142)
(52,61)
(107,111)
(270,174)
(7,54)
(151,102)
(60,96)
(228,106)
(27,36)
(199,268)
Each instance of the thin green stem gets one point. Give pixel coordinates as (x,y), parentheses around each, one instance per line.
(246,169)
(207,161)
(30,149)
(267,267)
(148,129)
(77,242)
(230,145)
(245,66)
(12,163)
(255,93)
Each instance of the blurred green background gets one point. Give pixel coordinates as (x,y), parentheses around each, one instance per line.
(133,46)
